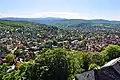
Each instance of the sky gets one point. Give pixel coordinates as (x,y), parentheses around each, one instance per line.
(71,9)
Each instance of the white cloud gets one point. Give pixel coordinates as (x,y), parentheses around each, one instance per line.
(68,15)
(1,15)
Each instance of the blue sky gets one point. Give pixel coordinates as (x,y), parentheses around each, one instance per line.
(82,9)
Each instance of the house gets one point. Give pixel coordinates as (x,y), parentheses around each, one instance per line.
(110,71)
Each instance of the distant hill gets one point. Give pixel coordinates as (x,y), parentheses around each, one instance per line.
(67,22)
(31,19)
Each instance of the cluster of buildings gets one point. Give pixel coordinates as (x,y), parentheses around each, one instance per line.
(25,42)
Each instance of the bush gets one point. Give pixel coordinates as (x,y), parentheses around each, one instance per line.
(111,52)
(10,57)
(93,66)
(96,58)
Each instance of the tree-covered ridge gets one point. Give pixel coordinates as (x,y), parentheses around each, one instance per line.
(62,22)
(19,23)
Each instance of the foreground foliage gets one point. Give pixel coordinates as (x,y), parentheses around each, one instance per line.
(59,64)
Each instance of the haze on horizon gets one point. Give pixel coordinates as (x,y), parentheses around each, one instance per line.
(71,9)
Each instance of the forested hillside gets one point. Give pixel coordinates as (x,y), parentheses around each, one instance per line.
(62,22)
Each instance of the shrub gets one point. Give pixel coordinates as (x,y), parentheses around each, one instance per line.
(111,52)
(10,57)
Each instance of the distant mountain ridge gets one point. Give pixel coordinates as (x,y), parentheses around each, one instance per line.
(31,19)
(62,21)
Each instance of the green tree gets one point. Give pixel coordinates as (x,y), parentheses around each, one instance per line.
(93,66)
(111,52)
(10,57)
(51,65)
